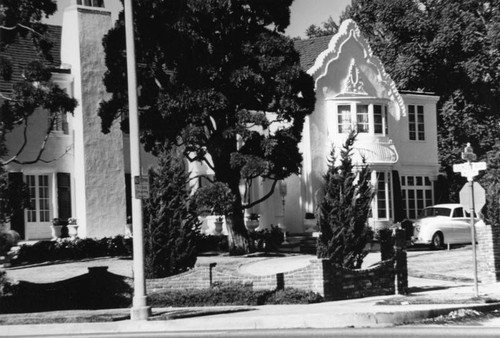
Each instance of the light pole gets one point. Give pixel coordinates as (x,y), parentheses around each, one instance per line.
(283,192)
(140,310)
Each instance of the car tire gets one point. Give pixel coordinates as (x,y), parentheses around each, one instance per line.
(437,241)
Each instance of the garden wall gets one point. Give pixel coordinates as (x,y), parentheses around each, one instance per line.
(320,276)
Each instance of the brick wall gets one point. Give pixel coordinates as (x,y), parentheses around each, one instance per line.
(320,276)
(488,253)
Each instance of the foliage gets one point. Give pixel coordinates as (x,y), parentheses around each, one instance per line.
(8,239)
(447,47)
(344,209)
(222,81)
(171,227)
(207,243)
(329,27)
(491,182)
(216,197)
(67,249)
(232,294)
(267,239)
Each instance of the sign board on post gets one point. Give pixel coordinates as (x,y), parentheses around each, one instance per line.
(141,184)
(479,196)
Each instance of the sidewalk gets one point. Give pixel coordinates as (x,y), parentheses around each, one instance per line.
(348,313)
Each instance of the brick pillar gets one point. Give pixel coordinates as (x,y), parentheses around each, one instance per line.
(401,265)
(488,252)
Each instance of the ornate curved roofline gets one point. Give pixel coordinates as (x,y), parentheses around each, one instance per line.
(349,29)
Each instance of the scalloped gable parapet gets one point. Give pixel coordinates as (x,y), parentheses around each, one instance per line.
(349,29)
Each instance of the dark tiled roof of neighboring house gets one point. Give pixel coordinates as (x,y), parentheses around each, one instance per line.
(310,49)
(23,51)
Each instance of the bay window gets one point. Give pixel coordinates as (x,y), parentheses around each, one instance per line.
(365,118)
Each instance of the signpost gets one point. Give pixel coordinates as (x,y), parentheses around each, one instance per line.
(472,195)
(141,184)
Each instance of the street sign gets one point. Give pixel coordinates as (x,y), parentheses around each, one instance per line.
(469,169)
(479,196)
(141,184)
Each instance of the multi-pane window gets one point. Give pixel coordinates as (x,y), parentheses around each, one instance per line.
(364,118)
(39,206)
(91,3)
(344,118)
(416,122)
(416,193)
(362,123)
(383,197)
(378,122)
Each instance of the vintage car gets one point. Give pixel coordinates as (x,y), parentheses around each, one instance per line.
(442,224)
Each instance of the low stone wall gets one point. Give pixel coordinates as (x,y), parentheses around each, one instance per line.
(319,276)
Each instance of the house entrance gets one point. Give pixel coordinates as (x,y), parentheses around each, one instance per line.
(38,212)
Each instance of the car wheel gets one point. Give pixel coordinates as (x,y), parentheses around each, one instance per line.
(437,240)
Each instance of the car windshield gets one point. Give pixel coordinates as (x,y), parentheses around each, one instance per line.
(432,212)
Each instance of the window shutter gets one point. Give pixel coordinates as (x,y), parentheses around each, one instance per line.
(17,219)
(64,195)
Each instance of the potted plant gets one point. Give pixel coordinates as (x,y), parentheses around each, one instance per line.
(72,227)
(252,222)
(219,221)
(56,228)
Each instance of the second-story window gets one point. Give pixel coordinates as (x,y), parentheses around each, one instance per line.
(91,3)
(365,118)
(363,125)
(344,118)
(416,123)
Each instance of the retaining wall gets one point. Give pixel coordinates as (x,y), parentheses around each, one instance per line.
(319,276)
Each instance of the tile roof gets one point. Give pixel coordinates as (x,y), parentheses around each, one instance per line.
(23,51)
(310,49)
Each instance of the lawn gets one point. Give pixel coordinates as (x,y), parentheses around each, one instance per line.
(451,265)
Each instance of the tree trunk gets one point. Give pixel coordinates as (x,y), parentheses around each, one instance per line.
(238,240)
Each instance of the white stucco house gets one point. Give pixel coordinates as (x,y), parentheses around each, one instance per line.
(86,173)
(397,133)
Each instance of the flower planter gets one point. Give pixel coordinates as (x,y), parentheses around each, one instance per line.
(218,227)
(56,231)
(73,230)
(252,225)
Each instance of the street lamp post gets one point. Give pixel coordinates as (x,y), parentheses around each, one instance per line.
(140,310)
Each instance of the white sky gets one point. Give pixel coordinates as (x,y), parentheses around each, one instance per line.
(303,13)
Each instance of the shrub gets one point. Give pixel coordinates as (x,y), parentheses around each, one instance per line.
(171,226)
(344,210)
(267,239)
(232,294)
(491,183)
(66,249)
(8,239)
(206,243)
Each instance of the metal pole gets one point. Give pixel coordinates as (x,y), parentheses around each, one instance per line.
(473,230)
(140,310)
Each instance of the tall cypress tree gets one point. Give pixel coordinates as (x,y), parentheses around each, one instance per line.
(491,183)
(171,226)
(344,209)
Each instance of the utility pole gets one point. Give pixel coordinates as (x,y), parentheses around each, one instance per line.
(140,310)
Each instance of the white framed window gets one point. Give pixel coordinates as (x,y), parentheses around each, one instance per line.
(416,125)
(383,196)
(362,123)
(39,206)
(416,192)
(344,118)
(362,116)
